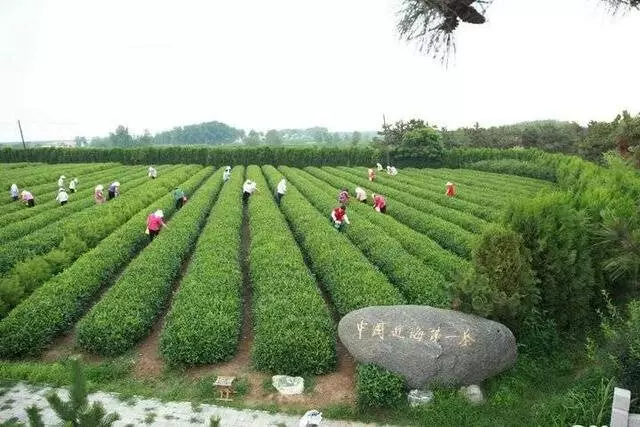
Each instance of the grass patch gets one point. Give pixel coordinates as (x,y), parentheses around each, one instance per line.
(309,384)
(241,387)
(548,391)
(150,418)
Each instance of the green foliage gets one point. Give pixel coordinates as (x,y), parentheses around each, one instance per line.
(202,133)
(630,354)
(129,309)
(420,145)
(273,137)
(555,234)
(433,255)
(76,412)
(72,235)
(446,234)
(516,167)
(467,215)
(299,156)
(501,285)
(538,335)
(618,239)
(121,137)
(353,282)
(210,289)
(58,303)
(293,335)
(33,413)
(379,388)
(418,283)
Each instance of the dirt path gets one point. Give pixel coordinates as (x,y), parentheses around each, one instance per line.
(149,363)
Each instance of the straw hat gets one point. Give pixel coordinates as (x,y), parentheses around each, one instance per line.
(159,213)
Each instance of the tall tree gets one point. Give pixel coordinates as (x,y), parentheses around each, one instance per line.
(81,141)
(356,137)
(253,138)
(121,137)
(145,139)
(273,137)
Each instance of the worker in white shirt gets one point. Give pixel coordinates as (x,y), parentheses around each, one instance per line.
(62,196)
(61,181)
(392,171)
(361,195)
(227,174)
(73,185)
(379,166)
(153,173)
(248,188)
(282,188)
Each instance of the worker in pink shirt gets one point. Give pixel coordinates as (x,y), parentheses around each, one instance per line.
(98,194)
(155,223)
(379,203)
(27,197)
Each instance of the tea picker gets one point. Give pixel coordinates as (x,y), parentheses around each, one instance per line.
(248,188)
(339,217)
(13,192)
(62,196)
(282,188)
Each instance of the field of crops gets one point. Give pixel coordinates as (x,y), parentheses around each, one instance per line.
(90,270)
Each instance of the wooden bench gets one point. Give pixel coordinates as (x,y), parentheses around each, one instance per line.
(225,387)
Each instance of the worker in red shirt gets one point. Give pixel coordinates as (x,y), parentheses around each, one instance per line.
(339,217)
(155,223)
(451,189)
(379,203)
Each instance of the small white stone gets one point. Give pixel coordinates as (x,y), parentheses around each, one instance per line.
(288,385)
(473,394)
(419,397)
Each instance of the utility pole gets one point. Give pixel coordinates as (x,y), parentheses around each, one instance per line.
(21,135)
(386,144)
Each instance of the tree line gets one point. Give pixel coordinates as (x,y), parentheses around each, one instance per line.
(590,142)
(217,133)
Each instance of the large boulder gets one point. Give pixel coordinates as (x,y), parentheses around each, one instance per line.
(428,345)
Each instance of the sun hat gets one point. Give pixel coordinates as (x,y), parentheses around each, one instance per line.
(159,213)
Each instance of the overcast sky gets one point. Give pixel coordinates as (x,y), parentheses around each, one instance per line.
(78,67)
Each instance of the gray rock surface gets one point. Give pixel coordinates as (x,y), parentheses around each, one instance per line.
(428,345)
